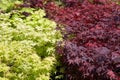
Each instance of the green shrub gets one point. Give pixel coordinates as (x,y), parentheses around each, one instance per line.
(27,45)
(8,5)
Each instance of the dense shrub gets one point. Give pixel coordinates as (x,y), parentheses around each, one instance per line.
(27,42)
(91,47)
(8,5)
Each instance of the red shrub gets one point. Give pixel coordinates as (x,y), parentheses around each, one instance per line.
(92,39)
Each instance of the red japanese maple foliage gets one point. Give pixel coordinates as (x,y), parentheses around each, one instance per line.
(91,49)
(92,39)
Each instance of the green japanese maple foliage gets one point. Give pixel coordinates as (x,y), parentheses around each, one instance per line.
(27,45)
(8,5)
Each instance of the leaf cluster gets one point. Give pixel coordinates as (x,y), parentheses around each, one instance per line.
(27,45)
(91,46)
(8,5)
